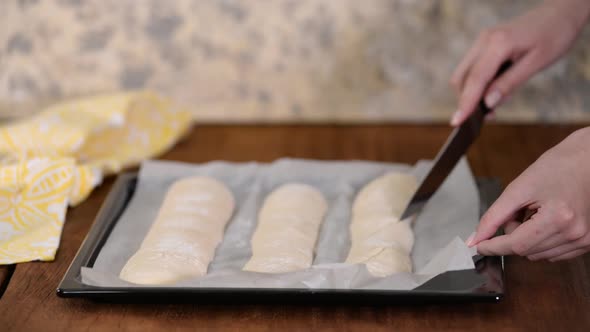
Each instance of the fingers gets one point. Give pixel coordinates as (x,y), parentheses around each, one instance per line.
(480,75)
(519,73)
(498,246)
(553,232)
(554,241)
(520,240)
(458,77)
(474,88)
(501,212)
(511,226)
(478,69)
(561,248)
(569,255)
(553,252)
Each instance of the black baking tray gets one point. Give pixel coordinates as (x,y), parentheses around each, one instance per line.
(483,284)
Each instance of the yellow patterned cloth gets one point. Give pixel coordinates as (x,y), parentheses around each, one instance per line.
(59,156)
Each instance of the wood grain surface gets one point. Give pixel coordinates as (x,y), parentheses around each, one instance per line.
(540,296)
(5,275)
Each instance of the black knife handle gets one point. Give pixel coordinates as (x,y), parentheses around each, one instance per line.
(503,68)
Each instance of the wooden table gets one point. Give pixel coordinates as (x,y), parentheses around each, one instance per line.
(540,295)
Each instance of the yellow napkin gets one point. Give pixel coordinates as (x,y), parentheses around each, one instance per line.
(57,157)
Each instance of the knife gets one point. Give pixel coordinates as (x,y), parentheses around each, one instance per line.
(451,152)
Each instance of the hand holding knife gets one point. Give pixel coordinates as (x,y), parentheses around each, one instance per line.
(447,158)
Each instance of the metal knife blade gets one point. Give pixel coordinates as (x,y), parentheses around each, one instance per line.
(451,152)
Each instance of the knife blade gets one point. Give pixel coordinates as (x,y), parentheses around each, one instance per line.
(449,155)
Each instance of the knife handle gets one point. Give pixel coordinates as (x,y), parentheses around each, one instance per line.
(503,68)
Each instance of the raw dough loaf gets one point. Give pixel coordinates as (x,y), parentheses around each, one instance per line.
(385,196)
(379,239)
(182,240)
(288,226)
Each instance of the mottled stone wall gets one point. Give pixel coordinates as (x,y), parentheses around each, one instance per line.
(269,60)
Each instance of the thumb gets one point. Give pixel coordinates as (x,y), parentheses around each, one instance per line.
(519,73)
(501,212)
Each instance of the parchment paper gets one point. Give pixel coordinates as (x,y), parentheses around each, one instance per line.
(450,216)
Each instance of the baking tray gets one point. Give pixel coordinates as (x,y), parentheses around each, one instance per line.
(483,284)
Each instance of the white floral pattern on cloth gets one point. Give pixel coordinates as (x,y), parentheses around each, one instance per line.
(57,157)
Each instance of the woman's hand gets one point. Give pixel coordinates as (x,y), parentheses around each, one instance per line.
(557,186)
(532,41)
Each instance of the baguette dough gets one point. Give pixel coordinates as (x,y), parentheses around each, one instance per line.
(288,226)
(379,239)
(385,196)
(182,240)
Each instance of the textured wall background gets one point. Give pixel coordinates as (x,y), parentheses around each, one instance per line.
(270,60)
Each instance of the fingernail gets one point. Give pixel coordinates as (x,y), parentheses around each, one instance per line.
(455,118)
(493,98)
(469,241)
